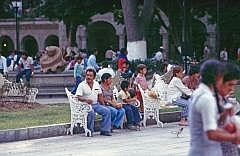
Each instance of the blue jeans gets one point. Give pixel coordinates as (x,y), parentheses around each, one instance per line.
(106,118)
(26,72)
(117,115)
(78,81)
(132,113)
(184,104)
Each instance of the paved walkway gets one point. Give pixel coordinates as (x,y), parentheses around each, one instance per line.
(150,141)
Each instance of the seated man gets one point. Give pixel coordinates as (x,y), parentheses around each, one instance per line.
(89,91)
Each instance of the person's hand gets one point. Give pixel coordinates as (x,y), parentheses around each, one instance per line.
(118,105)
(237,136)
(89,101)
(32,74)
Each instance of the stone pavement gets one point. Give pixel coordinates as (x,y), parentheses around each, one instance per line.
(150,141)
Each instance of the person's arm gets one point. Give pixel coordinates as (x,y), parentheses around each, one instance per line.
(32,66)
(101,99)
(207,107)
(5,66)
(182,87)
(83,99)
(221,135)
(75,71)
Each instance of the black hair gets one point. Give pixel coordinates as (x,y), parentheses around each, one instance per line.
(105,76)
(123,50)
(91,70)
(209,70)
(124,84)
(194,69)
(231,72)
(25,53)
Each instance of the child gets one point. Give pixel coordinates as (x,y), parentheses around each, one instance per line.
(132,113)
(141,79)
(78,72)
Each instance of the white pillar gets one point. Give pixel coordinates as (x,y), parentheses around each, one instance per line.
(121,41)
(62,33)
(81,37)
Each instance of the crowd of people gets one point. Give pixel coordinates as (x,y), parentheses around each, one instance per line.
(202,91)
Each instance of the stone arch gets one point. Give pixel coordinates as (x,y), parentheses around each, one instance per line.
(51,40)
(6,45)
(101,35)
(30,45)
(119,28)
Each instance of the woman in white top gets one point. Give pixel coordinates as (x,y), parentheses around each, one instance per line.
(178,93)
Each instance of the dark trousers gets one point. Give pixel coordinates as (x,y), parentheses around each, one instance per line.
(78,81)
(132,113)
(1,71)
(27,73)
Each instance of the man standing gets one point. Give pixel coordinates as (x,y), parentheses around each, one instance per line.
(25,67)
(3,65)
(92,61)
(89,91)
(204,114)
(159,55)
(224,55)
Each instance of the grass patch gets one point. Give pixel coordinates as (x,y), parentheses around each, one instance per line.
(51,114)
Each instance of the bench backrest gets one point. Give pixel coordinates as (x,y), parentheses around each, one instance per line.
(77,106)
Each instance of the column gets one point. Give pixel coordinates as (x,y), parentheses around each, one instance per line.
(62,33)
(212,43)
(165,45)
(121,41)
(81,37)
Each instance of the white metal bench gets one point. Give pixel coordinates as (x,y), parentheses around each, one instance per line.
(151,108)
(79,113)
(17,91)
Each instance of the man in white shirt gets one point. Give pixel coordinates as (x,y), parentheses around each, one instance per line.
(25,67)
(224,55)
(159,55)
(3,65)
(89,91)
(204,114)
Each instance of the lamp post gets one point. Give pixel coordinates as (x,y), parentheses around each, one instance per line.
(217,31)
(16,6)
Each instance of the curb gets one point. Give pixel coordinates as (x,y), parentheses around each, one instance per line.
(46,131)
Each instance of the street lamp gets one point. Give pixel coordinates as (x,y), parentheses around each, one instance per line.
(218,31)
(16,5)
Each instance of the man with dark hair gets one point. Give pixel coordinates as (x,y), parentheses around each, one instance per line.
(204,113)
(89,91)
(122,58)
(231,75)
(92,61)
(25,67)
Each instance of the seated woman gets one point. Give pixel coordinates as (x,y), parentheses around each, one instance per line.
(175,91)
(117,112)
(132,113)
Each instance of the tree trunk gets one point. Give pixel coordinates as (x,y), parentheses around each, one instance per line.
(135,27)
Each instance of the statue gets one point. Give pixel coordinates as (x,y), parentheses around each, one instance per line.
(52,60)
